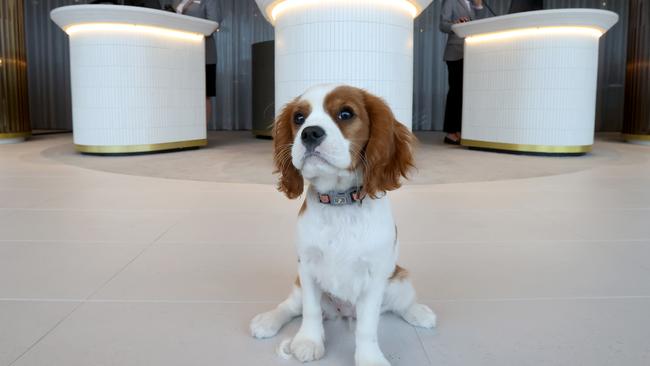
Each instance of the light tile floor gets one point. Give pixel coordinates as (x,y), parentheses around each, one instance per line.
(99,268)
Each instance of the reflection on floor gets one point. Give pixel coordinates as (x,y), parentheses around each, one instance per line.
(99,268)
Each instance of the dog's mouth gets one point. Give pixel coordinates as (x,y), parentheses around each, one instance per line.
(316,156)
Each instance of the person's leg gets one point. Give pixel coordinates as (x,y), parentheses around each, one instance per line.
(210,89)
(453,107)
(208,111)
(448,104)
(459,97)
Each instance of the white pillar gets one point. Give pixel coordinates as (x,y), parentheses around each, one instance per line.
(530,80)
(364,43)
(137,78)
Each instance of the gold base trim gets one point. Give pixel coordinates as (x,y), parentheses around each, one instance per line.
(15,135)
(635,137)
(543,149)
(265,133)
(129,149)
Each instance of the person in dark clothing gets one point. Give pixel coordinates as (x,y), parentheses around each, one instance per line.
(453,12)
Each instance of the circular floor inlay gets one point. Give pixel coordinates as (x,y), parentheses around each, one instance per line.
(237,157)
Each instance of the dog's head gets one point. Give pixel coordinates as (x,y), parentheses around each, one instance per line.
(332,130)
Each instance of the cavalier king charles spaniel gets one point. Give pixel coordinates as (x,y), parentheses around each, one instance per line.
(347,144)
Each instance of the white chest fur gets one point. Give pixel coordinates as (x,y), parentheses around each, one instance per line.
(343,247)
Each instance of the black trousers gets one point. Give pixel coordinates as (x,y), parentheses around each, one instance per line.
(210,80)
(454,106)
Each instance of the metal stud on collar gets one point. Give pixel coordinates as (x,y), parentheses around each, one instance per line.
(352,195)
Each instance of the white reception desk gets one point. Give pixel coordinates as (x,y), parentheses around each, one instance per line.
(137,78)
(365,43)
(530,80)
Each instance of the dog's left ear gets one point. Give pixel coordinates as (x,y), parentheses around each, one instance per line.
(389,152)
(291,181)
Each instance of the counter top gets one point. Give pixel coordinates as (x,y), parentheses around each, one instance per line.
(67,16)
(592,18)
(269,5)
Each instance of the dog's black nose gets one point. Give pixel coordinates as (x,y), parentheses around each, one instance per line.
(312,136)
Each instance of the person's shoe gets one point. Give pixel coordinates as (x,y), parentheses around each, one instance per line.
(449,141)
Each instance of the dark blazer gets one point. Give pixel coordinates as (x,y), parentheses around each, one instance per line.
(453,10)
(206,9)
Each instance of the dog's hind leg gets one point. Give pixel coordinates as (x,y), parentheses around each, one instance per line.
(399,297)
(268,324)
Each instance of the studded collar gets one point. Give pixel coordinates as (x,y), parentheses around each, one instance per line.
(349,197)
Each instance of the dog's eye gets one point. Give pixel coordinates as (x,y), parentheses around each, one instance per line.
(345,114)
(299,118)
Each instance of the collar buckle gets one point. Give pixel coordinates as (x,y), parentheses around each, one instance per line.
(339,199)
(352,195)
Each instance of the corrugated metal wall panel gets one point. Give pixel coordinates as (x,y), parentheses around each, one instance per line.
(637,88)
(243,25)
(48,66)
(14,112)
(430,82)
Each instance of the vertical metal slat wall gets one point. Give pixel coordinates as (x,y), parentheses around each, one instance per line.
(14,113)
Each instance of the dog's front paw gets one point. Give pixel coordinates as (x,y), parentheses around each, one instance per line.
(266,325)
(420,315)
(307,349)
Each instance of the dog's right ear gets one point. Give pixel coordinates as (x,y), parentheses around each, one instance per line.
(291,182)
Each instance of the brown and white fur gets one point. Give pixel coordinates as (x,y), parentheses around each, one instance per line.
(347,254)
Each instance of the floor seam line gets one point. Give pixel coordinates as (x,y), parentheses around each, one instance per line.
(514,299)
(225,302)
(46,333)
(121,270)
(86,300)
(426,354)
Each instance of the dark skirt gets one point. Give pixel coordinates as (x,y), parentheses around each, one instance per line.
(210,80)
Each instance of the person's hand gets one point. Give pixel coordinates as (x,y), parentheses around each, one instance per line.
(461,20)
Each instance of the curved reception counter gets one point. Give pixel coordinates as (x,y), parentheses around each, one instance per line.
(365,43)
(137,78)
(530,80)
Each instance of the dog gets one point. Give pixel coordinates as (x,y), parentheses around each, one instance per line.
(350,148)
